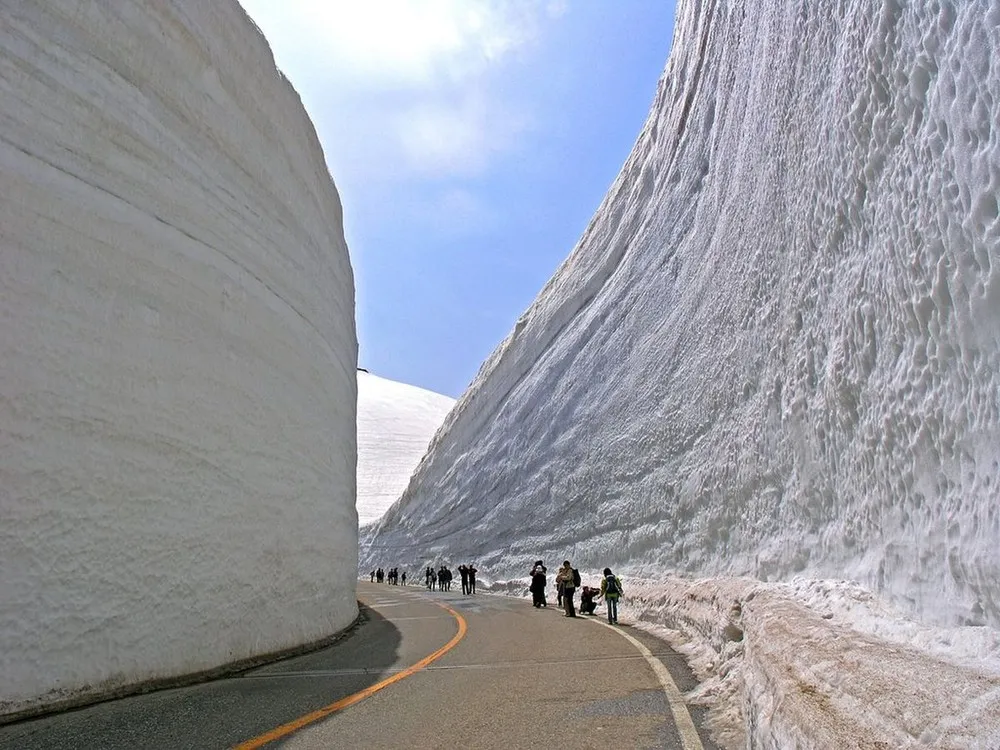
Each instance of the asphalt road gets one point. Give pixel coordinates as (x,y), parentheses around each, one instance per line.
(518,677)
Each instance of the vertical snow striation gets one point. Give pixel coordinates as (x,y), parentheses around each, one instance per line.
(774,351)
(396,421)
(177,387)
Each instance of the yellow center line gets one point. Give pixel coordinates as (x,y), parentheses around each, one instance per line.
(293,726)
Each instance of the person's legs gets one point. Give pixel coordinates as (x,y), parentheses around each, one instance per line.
(612,610)
(568,599)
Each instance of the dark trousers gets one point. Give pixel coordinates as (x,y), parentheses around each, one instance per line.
(472,585)
(465,586)
(568,601)
(612,609)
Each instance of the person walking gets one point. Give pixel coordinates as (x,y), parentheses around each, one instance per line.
(611,590)
(404,577)
(472,578)
(568,577)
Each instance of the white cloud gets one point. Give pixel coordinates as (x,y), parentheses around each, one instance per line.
(404,84)
(456,138)
(393,42)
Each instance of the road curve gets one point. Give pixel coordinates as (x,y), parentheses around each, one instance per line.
(492,673)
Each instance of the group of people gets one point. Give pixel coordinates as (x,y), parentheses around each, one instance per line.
(567,582)
(442,578)
(393,577)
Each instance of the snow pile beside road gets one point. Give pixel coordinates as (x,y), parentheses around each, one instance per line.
(396,422)
(824,664)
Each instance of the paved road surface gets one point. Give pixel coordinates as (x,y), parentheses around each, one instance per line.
(518,678)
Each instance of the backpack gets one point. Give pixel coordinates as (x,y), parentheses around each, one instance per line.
(611,586)
(576,578)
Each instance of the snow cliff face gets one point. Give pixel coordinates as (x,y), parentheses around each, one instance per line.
(177,352)
(775,349)
(395,423)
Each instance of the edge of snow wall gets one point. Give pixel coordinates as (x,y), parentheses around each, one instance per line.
(178,347)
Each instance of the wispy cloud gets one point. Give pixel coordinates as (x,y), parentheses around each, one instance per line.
(457,138)
(404,79)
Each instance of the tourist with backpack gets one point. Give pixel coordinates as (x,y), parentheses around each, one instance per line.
(569,577)
(611,590)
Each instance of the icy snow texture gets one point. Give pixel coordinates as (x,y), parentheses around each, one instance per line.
(177,352)
(774,351)
(823,664)
(395,423)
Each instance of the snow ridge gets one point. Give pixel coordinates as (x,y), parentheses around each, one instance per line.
(177,393)
(773,352)
(396,421)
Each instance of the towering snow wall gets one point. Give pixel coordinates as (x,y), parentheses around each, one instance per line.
(396,422)
(775,350)
(177,352)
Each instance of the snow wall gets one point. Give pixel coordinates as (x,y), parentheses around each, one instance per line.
(396,422)
(775,350)
(177,353)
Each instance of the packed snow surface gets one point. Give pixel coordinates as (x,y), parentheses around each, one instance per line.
(396,421)
(775,350)
(177,387)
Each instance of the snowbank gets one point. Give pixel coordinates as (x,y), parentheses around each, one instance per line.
(819,664)
(774,351)
(396,422)
(823,664)
(177,387)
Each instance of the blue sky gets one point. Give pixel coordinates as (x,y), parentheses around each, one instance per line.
(471,142)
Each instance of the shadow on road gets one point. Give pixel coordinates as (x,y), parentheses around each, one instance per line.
(222,713)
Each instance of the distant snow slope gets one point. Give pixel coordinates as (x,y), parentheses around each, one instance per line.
(177,352)
(775,350)
(395,423)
